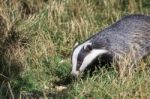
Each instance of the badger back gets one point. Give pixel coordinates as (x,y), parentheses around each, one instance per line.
(131,34)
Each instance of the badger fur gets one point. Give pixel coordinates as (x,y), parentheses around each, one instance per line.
(130,34)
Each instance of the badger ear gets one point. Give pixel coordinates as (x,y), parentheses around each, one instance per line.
(76,44)
(88,47)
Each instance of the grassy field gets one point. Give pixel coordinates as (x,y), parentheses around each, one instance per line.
(36,41)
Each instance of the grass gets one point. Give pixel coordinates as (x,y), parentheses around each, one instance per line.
(36,41)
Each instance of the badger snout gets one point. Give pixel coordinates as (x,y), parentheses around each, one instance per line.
(75,73)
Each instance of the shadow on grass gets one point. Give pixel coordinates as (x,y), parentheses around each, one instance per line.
(64,81)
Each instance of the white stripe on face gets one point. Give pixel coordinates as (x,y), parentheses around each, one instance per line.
(75,56)
(74,59)
(90,57)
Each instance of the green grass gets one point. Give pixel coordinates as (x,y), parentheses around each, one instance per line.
(37,42)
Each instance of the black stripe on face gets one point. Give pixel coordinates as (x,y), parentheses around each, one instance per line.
(81,56)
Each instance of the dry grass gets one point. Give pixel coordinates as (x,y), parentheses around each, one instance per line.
(36,40)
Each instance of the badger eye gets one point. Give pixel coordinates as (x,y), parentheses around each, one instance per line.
(78,65)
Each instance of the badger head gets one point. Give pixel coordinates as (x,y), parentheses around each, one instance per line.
(83,55)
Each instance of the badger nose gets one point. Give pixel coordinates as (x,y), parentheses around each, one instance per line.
(75,73)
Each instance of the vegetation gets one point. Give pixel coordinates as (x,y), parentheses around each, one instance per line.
(36,41)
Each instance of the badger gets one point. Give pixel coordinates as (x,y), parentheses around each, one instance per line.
(131,33)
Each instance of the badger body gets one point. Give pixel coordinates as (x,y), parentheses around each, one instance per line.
(130,34)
